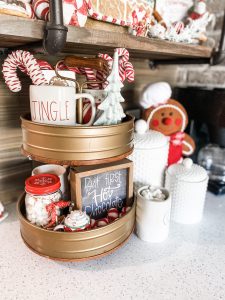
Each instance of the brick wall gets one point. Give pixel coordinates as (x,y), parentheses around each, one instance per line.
(205,75)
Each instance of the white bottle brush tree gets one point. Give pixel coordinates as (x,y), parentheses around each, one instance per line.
(112,111)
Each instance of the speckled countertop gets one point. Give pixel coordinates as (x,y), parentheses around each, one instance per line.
(189,265)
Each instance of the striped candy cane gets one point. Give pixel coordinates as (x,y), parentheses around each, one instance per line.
(123,54)
(126,70)
(129,71)
(51,209)
(101,76)
(44,65)
(178,26)
(90,75)
(26,62)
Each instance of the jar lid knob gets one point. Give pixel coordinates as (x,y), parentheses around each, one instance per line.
(140,126)
(188,163)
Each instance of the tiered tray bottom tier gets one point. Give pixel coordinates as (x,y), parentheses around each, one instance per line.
(75,246)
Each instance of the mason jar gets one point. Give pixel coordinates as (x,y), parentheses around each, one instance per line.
(41,190)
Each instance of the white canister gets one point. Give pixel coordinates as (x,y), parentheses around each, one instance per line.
(153,217)
(150,157)
(187,183)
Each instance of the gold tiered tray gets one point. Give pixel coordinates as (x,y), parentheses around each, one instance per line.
(77,145)
(75,246)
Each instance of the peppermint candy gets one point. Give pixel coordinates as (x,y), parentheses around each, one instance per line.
(74,11)
(113,214)
(102,222)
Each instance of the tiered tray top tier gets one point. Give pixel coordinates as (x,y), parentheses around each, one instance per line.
(78,145)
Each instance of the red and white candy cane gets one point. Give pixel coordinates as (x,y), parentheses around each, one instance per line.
(123,54)
(44,65)
(51,209)
(178,26)
(26,62)
(101,76)
(90,75)
(88,72)
(126,70)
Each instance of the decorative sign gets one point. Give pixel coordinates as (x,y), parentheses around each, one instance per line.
(97,190)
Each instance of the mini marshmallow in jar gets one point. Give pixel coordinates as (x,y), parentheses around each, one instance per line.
(187,183)
(153,214)
(41,190)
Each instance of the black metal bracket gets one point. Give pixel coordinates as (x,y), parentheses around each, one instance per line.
(217,58)
(55,31)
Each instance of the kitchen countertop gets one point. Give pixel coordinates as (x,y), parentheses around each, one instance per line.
(189,265)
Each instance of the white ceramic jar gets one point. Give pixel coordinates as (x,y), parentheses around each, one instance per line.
(150,157)
(153,215)
(41,190)
(187,183)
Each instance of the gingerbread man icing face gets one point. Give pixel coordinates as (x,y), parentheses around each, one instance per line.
(168,118)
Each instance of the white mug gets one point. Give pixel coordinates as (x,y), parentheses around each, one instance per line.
(51,78)
(59,171)
(99,95)
(57,105)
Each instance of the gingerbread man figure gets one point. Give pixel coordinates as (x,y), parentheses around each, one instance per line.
(169,117)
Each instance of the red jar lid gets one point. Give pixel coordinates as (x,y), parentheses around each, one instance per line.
(42,184)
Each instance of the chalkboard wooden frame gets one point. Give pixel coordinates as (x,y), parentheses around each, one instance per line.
(77,173)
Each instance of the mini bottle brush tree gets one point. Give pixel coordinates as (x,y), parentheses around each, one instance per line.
(112,111)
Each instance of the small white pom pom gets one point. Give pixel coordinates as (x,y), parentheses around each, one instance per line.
(188,162)
(141,126)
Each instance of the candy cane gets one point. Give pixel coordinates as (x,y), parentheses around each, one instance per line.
(178,26)
(100,75)
(51,209)
(26,62)
(129,71)
(126,70)
(88,72)
(44,65)
(91,77)
(76,70)
(123,54)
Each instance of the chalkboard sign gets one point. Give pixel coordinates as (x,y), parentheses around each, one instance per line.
(97,190)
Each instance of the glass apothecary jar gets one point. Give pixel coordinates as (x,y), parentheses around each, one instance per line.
(41,190)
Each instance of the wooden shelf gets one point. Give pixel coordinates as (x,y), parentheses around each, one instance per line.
(96,36)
